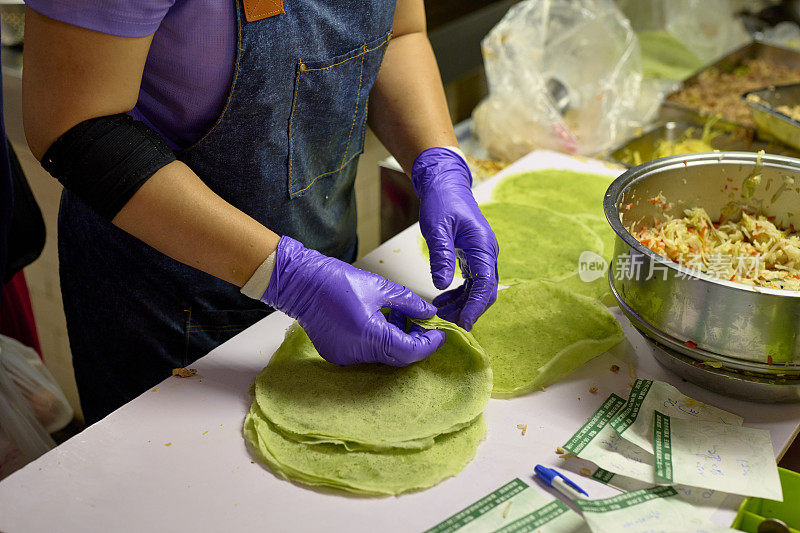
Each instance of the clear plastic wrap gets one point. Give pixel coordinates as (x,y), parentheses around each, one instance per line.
(588,47)
(786,34)
(36,384)
(31,406)
(708,28)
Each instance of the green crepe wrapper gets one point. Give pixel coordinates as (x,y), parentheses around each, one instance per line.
(537,243)
(521,232)
(371,406)
(563,191)
(597,289)
(602,229)
(576,194)
(538,332)
(362,472)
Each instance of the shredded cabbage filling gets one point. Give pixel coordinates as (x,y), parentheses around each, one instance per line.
(752,251)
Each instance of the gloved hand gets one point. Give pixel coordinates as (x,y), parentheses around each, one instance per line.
(339,307)
(452,225)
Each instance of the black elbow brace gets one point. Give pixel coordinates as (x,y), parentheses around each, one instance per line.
(105,160)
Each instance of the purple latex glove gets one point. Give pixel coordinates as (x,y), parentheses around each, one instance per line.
(452,225)
(339,307)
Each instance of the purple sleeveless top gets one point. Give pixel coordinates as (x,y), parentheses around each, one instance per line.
(190,66)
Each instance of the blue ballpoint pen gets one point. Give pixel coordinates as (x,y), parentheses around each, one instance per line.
(560,482)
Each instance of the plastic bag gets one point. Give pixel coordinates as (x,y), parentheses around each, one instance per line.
(585,45)
(36,383)
(31,406)
(786,34)
(708,28)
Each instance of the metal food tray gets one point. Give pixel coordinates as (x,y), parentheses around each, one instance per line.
(746,330)
(671,111)
(770,121)
(733,138)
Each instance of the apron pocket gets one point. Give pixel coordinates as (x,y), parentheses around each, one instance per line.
(206,329)
(329,113)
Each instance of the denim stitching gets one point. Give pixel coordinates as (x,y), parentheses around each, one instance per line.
(364,51)
(294,101)
(233,84)
(291,138)
(188,325)
(330,172)
(355,112)
(363,130)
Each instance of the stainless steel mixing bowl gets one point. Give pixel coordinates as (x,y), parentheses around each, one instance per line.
(725,325)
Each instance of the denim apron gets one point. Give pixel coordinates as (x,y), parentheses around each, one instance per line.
(284,150)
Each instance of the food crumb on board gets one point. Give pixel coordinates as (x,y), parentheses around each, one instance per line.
(631,384)
(396,251)
(155,390)
(614,368)
(505,511)
(380,261)
(631,370)
(563,454)
(523,427)
(168,444)
(205,432)
(579,398)
(586,472)
(184,372)
(592,389)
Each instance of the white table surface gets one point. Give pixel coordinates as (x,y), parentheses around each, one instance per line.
(121,475)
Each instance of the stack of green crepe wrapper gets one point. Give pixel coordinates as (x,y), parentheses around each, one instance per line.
(549,321)
(370,429)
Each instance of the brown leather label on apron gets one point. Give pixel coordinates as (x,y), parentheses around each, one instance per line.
(261,9)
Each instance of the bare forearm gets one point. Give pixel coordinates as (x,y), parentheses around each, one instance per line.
(407,107)
(177,214)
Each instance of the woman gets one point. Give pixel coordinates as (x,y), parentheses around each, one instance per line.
(211,145)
